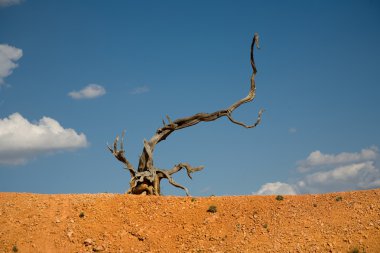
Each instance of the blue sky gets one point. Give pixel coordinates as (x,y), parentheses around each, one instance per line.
(74,74)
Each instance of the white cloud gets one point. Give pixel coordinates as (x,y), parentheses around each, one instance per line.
(140,90)
(343,173)
(8,57)
(317,158)
(276,188)
(90,91)
(21,140)
(331,173)
(6,3)
(292,130)
(349,177)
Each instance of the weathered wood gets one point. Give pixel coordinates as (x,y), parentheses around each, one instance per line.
(120,154)
(147,177)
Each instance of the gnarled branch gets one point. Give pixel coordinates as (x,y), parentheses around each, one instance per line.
(120,154)
(188,167)
(147,178)
(163,132)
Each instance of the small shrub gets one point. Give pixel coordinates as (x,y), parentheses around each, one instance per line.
(14,248)
(81,215)
(212,209)
(315,205)
(339,198)
(193,199)
(279,197)
(356,250)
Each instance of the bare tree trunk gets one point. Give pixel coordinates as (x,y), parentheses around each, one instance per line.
(147,178)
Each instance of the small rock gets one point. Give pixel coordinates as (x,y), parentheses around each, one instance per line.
(70,233)
(98,248)
(88,242)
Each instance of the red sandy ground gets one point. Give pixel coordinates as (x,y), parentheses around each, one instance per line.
(128,223)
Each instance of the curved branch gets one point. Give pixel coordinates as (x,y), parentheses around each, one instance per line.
(165,174)
(120,154)
(244,125)
(188,167)
(168,174)
(252,91)
(163,132)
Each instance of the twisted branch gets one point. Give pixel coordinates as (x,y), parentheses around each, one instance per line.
(119,154)
(163,132)
(147,178)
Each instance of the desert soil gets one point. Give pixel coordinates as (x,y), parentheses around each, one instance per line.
(335,222)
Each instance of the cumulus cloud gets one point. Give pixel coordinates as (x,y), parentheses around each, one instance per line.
(140,90)
(317,158)
(276,188)
(21,140)
(8,57)
(88,92)
(348,177)
(331,173)
(6,3)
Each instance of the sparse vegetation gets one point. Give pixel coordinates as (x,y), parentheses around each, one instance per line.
(14,248)
(356,250)
(81,215)
(338,198)
(212,209)
(193,199)
(241,223)
(279,197)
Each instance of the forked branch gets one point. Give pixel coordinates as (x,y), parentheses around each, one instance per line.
(120,154)
(188,167)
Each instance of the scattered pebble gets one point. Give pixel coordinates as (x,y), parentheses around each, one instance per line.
(125,223)
(88,242)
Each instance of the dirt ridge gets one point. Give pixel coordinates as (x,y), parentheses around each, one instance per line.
(334,222)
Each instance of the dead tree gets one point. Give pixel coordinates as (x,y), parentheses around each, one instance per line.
(146,179)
